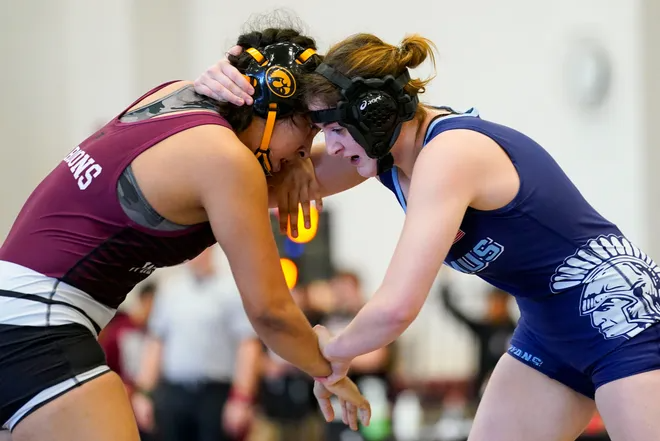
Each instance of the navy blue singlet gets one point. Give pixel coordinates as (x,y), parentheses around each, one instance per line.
(583,289)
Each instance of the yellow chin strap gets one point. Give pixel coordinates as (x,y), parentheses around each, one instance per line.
(263,152)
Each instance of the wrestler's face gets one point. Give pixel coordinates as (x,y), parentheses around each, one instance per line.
(339,142)
(292,138)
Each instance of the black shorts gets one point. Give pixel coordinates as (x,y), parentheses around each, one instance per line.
(38,364)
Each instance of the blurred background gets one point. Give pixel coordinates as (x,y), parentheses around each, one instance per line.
(579,77)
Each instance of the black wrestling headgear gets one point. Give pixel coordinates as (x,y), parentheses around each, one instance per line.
(272,73)
(372,110)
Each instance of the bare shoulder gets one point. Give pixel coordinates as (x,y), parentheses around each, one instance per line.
(461,143)
(215,145)
(180,173)
(216,159)
(466,160)
(462,151)
(201,147)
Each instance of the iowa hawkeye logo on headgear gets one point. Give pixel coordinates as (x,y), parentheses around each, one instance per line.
(280,81)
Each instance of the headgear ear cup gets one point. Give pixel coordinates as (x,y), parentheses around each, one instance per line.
(377,113)
(272,73)
(372,110)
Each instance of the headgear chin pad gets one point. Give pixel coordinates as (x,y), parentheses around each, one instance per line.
(372,110)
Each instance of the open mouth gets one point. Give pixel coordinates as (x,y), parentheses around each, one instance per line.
(355,159)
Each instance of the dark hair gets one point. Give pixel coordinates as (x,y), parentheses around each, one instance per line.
(146,290)
(367,56)
(240,117)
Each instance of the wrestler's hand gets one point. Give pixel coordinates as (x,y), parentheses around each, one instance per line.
(224,83)
(353,404)
(339,367)
(295,184)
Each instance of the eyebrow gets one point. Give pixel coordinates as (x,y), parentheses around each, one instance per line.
(324,125)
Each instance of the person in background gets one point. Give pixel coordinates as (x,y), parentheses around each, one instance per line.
(124,338)
(492,333)
(200,369)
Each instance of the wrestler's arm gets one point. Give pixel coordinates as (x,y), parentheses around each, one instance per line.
(445,181)
(310,179)
(230,185)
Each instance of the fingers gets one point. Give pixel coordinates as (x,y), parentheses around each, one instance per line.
(218,80)
(238,77)
(344,412)
(293,215)
(315,193)
(202,88)
(323,334)
(323,397)
(236,86)
(326,409)
(306,207)
(354,407)
(236,50)
(224,83)
(351,415)
(283,210)
(364,412)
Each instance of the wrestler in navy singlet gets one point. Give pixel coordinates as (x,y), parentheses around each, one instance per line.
(583,289)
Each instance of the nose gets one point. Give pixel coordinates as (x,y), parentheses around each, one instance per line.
(333,148)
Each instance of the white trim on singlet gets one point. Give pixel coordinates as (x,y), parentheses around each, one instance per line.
(56,296)
(51,393)
(429,130)
(473,112)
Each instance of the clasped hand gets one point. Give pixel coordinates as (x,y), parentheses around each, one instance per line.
(353,405)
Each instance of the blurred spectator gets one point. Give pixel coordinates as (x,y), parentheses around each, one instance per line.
(288,407)
(201,365)
(492,333)
(347,292)
(124,338)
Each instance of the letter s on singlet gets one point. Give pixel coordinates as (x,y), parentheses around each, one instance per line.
(83,167)
(85,180)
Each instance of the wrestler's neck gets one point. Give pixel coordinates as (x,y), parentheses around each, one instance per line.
(410,142)
(252,135)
